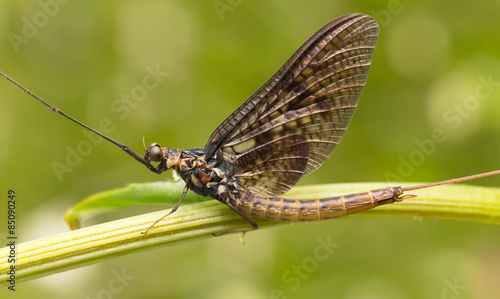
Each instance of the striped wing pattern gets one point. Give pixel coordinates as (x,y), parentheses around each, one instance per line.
(314,95)
(275,167)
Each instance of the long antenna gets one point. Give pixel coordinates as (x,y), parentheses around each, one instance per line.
(153,169)
(463,179)
(54,109)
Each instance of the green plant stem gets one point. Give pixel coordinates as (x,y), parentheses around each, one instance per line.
(93,244)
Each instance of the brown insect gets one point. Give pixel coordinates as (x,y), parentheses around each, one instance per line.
(286,129)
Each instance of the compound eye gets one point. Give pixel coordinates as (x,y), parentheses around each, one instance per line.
(154,152)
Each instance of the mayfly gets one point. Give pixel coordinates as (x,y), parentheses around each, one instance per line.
(286,129)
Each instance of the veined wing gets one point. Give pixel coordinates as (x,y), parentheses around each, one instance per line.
(273,168)
(314,94)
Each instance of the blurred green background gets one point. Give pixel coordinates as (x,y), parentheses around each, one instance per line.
(430,71)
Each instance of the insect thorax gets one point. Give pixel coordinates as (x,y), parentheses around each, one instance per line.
(204,177)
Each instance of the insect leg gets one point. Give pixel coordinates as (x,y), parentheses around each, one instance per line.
(252,222)
(184,192)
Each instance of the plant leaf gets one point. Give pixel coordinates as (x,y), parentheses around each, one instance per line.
(93,244)
(440,202)
(155,193)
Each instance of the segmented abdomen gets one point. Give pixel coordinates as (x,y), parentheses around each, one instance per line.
(276,208)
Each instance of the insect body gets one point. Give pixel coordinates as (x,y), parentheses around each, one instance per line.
(286,129)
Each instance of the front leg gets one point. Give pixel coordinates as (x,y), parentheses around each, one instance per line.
(184,192)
